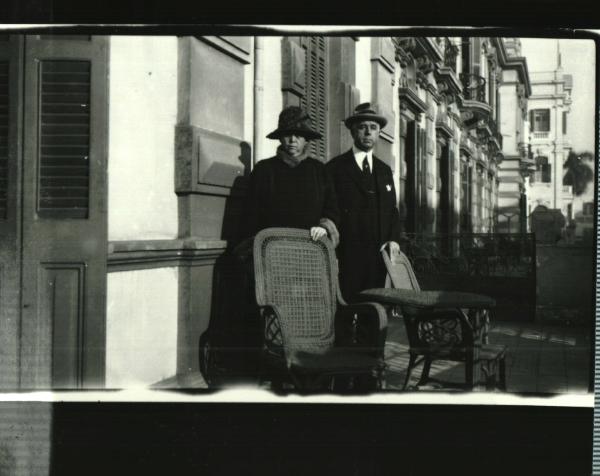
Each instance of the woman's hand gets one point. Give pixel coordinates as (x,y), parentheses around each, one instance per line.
(394,247)
(317,232)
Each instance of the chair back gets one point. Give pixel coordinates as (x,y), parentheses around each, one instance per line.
(429,331)
(298,276)
(400,274)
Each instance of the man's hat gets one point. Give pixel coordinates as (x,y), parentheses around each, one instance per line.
(366,112)
(293,120)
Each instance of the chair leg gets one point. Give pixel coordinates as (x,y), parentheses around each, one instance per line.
(469,373)
(425,371)
(502,373)
(411,364)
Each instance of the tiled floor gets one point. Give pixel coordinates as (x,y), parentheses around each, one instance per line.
(540,358)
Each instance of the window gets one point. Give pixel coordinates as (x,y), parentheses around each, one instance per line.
(588,208)
(490,202)
(465,197)
(564,122)
(543,170)
(540,120)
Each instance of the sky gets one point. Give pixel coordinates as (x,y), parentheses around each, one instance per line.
(578,59)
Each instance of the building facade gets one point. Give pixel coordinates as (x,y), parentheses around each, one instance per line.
(124,166)
(549,108)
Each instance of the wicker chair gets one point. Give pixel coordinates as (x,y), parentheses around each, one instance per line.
(311,335)
(436,332)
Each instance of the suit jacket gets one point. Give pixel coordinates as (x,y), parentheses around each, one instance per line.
(361,264)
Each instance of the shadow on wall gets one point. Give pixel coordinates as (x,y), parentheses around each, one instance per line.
(226,348)
(230,230)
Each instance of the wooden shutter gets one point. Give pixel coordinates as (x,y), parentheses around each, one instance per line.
(64,223)
(531,121)
(314,100)
(65,139)
(4,106)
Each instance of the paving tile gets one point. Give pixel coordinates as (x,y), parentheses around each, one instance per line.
(540,358)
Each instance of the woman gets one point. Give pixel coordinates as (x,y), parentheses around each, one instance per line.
(292,189)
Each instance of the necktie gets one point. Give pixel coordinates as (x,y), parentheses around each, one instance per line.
(365,167)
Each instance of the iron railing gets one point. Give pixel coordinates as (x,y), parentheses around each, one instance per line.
(473,87)
(474,254)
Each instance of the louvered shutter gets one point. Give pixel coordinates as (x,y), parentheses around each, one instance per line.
(65,139)
(4,108)
(314,100)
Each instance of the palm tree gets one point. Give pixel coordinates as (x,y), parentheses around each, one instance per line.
(578,172)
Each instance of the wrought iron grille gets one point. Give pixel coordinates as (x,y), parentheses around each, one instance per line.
(473,87)
(475,254)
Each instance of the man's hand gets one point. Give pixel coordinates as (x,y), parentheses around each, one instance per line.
(317,232)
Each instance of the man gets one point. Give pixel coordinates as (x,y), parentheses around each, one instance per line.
(366,196)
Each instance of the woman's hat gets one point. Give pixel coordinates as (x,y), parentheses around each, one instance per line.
(366,112)
(293,120)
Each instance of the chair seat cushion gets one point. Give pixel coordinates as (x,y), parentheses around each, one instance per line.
(334,361)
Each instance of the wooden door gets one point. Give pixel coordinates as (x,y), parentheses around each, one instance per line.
(10,202)
(64,242)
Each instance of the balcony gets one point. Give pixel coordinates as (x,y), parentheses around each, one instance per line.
(445,72)
(443,124)
(474,105)
(541,135)
(473,87)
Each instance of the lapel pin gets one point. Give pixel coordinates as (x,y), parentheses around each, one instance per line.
(388,187)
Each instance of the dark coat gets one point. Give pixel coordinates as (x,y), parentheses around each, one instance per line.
(360,261)
(284,196)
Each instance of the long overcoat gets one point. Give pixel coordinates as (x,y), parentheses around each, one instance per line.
(360,262)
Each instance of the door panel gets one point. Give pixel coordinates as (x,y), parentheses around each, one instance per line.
(64,212)
(10,203)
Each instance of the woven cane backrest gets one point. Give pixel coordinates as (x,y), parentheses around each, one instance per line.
(298,276)
(400,271)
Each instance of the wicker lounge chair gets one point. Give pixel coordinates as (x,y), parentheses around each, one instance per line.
(311,335)
(442,325)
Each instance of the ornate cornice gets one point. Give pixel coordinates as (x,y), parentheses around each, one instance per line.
(410,99)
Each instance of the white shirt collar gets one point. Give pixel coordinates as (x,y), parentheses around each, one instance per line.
(359,156)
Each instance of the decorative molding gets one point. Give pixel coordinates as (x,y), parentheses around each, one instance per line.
(405,47)
(424,64)
(150,254)
(209,162)
(238,47)
(382,51)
